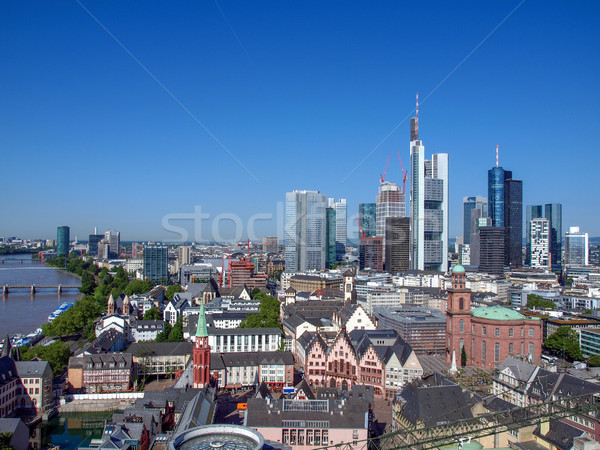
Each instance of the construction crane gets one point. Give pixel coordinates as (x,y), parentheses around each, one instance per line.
(242,244)
(362,233)
(404,173)
(382,177)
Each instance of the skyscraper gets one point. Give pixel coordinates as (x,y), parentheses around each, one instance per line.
(513,222)
(576,247)
(469,204)
(491,250)
(114,241)
(270,244)
(62,240)
(397,242)
(540,243)
(156,263)
(553,212)
(341,227)
(330,234)
(475,248)
(93,241)
(429,205)
(304,230)
(390,203)
(367,217)
(496,177)
(532,212)
(370,253)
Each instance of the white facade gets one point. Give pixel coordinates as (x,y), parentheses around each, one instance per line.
(540,243)
(304,230)
(577,247)
(131,265)
(244,340)
(390,203)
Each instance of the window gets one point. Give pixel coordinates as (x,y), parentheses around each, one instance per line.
(531,348)
(511,333)
(472,347)
(461,303)
(497,332)
(522,332)
(462,344)
(510,349)
(473,329)
(483,350)
(461,326)
(531,332)
(497,352)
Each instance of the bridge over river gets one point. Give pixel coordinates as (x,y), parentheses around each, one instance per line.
(33,288)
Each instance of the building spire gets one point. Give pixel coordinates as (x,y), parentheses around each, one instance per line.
(417,116)
(414,123)
(496,155)
(201,330)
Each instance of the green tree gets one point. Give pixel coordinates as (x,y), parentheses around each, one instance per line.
(153,314)
(564,342)
(163,336)
(5,439)
(172,290)
(137,287)
(255,292)
(57,354)
(88,284)
(176,334)
(537,301)
(268,314)
(594,361)
(463,357)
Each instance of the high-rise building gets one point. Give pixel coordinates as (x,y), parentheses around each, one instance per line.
(390,203)
(304,231)
(477,222)
(531,212)
(184,255)
(93,241)
(553,212)
(341,227)
(270,244)
(576,247)
(469,204)
(114,241)
(367,217)
(496,177)
(370,254)
(330,234)
(397,242)
(156,263)
(540,243)
(136,250)
(429,205)
(62,241)
(513,222)
(491,250)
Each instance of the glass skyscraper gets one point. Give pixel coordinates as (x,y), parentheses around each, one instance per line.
(513,222)
(496,177)
(553,212)
(469,204)
(367,217)
(62,241)
(532,212)
(576,247)
(304,230)
(156,263)
(330,234)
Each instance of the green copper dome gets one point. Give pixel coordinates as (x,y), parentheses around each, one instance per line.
(496,313)
(458,269)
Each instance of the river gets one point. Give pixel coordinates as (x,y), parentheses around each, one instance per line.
(22,312)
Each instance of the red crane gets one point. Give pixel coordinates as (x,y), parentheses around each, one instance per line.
(241,244)
(404,173)
(382,177)
(362,233)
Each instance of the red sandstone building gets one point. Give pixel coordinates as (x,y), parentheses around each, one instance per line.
(490,333)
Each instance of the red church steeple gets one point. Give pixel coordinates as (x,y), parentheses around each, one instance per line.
(201,352)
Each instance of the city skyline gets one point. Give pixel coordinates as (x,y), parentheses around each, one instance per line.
(300,107)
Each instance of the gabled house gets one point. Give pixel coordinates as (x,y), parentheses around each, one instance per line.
(175,307)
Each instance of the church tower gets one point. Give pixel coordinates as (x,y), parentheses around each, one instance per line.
(111,306)
(458,316)
(201,353)
(126,306)
(349,290)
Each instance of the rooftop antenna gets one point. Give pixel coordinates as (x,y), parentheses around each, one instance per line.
(417,116)
(496,155)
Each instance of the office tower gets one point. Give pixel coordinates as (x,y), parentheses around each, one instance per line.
(136,250)
(304,230)
(531,212)
(270,244)
(576,247)
(469,204)
(428,204)
(367,218)
(114,241)
(390,203)
(93,241)
(513,222)
(491,250)
(553,212)
(184,255)
(341,227)
(370,253)
(330,234)
(477,222)
(540,243)
(397,243)
(156,263)
(496,177)
(464,254)
(62,241)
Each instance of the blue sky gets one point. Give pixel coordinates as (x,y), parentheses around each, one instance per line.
(300,93)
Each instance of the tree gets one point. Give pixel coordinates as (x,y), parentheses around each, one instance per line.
(176,334)
(153,314)
(163,336)
(57,354)
(564,342)
(255,292)
(463,357)
(537,301)
(172,290)
(268,314)
(88,284)
(594,361)
(137,287)
(5,439)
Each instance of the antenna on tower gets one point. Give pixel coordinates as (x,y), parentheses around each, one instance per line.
(417,115)
(496,155)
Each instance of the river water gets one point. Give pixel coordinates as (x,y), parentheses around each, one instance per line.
(22,312)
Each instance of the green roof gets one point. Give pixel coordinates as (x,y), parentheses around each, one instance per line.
(201,330)
(458,269)
(496,313)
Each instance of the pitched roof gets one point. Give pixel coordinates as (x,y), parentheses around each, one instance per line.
(32,368)
(160,348)
(560,434)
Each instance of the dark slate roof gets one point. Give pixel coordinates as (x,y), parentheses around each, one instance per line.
(8,371)
(151,324)
(346,312)
(106,340)
(242,331)
(247,359)
(560,434)
(32,369)
(233,292)
(107,358)
(263,391)
(198,412)
(436,404)
(160,348)
(304,387)
(9,425)
(290,290)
